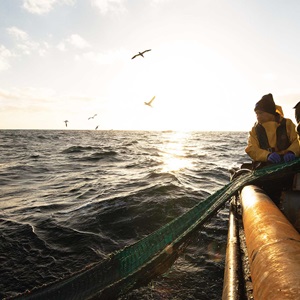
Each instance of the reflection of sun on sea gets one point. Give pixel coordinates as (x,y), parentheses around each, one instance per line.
(173,153)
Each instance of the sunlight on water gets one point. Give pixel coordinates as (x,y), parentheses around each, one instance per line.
(174,156)
(70,198)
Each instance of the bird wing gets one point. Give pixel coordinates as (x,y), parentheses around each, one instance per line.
(151,100)
(140,53)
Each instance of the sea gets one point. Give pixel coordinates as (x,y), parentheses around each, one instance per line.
(69,198)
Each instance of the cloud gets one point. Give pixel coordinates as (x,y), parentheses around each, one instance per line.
(5,54)
(105,58)
(40,7)
(30,94)
(5,95)
(78,42)
(18,34)
(25,43)
(106,6)
(61,46)
(74,40)
(156,2)
(33,99)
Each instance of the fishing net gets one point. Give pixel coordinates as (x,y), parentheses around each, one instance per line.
(139,262)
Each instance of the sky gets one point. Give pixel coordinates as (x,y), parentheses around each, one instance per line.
(210,62)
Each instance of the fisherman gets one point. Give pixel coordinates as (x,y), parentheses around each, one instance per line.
(272,139)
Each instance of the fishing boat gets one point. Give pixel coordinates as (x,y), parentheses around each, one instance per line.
(138,263)
(263,245)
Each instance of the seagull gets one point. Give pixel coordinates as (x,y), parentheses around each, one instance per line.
(150,102)
(140,54)
(92,116)
(96,127)
(66,121)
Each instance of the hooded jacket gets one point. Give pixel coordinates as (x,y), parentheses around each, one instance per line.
(254,150)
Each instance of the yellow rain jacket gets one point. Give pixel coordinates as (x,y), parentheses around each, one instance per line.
(258,154)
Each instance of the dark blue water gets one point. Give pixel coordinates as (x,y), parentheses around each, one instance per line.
(70,198)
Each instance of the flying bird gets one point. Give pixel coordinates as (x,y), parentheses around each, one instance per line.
(66,122)
(92,116)
(140,54)
(150,102)
(96,127)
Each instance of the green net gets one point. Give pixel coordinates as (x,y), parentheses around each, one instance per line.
(140,262)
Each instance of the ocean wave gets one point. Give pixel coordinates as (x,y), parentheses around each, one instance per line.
(69,198)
